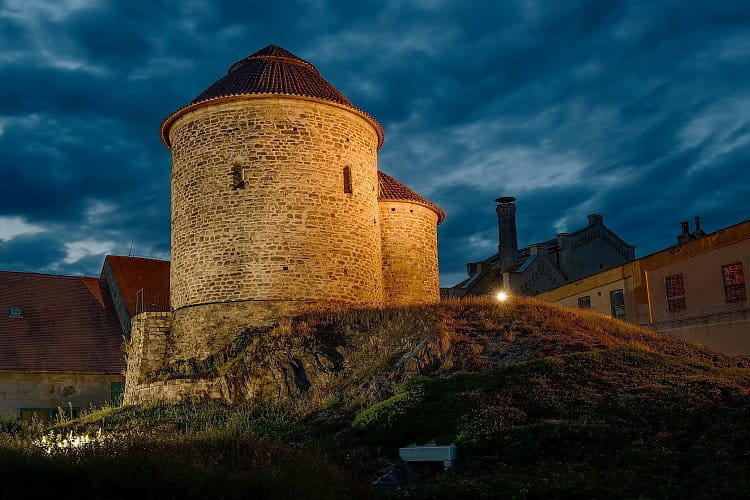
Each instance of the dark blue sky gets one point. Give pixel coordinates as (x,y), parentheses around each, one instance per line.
(636,110)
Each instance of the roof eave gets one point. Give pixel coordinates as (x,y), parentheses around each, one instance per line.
(436,209)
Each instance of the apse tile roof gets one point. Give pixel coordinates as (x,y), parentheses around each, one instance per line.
(137,273)
(68,325)
(391,189)
(271,70)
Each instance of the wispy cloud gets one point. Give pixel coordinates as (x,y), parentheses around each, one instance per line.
(10,227)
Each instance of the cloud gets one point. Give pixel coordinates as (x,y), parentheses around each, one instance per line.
(77,250)
(32,252)
(636,110)
(10,227)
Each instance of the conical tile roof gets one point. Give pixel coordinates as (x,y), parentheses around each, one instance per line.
(393,190)
(275,71)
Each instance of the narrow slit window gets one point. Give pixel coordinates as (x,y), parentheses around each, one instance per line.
(348,180)
(238,180)
(734,283)
(675,287)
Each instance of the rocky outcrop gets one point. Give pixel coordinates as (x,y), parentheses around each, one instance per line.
(359,355)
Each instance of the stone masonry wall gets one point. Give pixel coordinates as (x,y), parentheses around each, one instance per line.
(410,257)
(260,213)
(149,335)
(209,328)
(174,391)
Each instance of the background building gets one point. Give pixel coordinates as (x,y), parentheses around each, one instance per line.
(60,344)
(541,266)
(137,285)
(694,290)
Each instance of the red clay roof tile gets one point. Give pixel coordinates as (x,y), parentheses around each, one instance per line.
(137,273)
(271,70)
(393,190)
(68,325)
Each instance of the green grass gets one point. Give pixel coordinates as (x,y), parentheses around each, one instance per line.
(189,417)
(543,403)
(616,423)
(209,464)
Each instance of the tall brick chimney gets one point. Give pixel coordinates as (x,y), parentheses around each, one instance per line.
(506,218)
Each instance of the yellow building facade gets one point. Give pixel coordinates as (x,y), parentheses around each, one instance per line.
(695,290)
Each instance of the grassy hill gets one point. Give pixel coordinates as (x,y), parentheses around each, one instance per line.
(542,402)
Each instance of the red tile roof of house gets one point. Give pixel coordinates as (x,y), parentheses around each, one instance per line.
(68,325)
(393,190)
(137,273)
(275,71)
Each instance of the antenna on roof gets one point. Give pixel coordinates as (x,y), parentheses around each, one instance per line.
(130,252)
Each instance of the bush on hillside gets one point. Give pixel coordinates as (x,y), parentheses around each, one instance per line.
(619,422)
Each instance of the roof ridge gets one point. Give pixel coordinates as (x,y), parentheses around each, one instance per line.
(134,257)
(48,275)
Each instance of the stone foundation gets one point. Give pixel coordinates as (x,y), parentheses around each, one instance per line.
(174,391)
(202,330)
(163,338)
(147,349)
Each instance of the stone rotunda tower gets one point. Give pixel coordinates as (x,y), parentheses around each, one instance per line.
(275,190)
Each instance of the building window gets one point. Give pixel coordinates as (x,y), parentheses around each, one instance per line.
(348,180)
(116,390)
(675,287)
(584,302)
(734,283)
(617,301)
(15,312)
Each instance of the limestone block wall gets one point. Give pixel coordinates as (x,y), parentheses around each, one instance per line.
(410,255)
(290,232)
(150,332)
(259,208)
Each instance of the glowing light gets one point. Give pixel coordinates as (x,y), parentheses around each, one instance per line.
(501,296)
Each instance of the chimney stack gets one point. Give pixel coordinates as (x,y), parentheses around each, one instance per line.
(595,219)
(506,218)
(698,233)
(685,235)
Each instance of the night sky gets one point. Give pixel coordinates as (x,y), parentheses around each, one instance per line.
(636,110)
